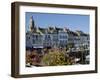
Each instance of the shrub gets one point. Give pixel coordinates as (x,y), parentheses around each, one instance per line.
(54,58)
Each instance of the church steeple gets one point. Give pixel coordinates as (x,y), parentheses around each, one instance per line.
(32,24)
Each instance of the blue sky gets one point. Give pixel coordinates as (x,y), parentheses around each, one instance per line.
(71,21)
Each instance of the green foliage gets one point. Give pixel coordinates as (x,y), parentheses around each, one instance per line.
(54,58)
(70,45)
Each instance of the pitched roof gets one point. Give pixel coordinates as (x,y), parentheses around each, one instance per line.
(42,30)
(80,33)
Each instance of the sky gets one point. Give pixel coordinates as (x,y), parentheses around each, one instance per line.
(71,21)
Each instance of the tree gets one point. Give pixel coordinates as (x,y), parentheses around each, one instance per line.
(82,48)
(70,45)
(54,58)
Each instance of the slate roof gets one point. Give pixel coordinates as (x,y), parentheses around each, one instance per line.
(53,30)
(80,33)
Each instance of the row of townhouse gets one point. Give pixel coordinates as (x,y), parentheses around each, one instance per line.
(38,37)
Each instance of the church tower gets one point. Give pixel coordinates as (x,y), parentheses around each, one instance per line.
(32,24)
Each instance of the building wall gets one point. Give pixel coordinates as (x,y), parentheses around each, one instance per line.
(62,38)
(47,42)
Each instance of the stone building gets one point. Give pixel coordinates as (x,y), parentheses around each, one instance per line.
(38,37)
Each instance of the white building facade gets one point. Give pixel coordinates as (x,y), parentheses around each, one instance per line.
(38,37)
